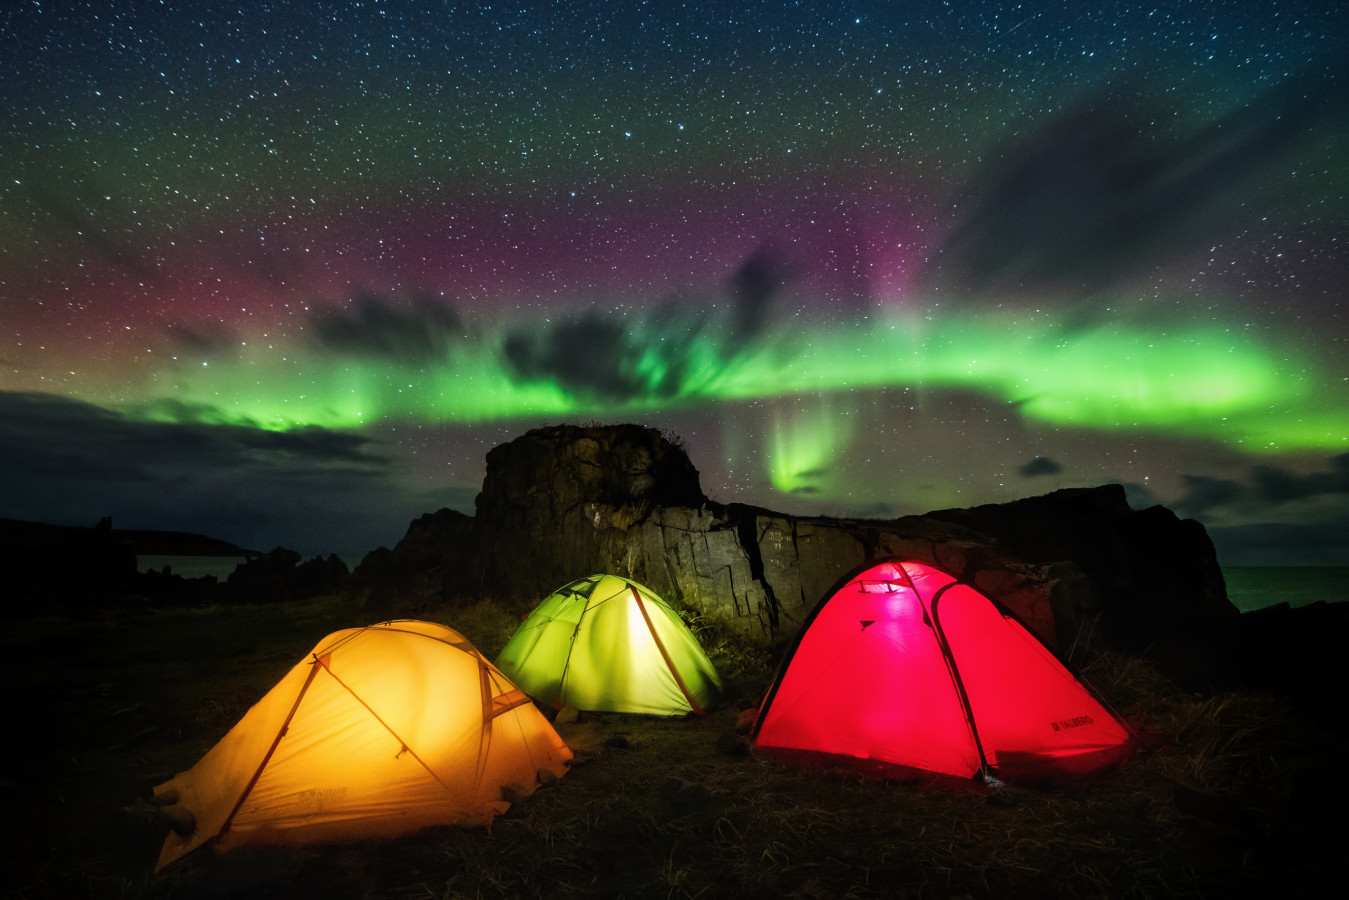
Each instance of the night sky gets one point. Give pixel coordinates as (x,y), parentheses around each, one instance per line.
(283,273)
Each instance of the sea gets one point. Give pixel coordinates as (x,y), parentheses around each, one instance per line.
(1256,587)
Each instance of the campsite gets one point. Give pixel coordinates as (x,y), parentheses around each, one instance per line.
(677,450)
(114,701)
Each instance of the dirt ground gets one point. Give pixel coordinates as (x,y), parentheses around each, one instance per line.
(1236,801)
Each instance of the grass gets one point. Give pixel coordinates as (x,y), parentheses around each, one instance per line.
(111,703)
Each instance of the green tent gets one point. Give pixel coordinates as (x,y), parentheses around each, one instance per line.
(607,644)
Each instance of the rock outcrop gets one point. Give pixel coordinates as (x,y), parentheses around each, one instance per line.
(559,503)
(50,569)
(279,576)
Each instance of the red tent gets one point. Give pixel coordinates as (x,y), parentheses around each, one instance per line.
(904,668)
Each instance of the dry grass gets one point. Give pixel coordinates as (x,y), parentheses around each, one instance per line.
(112,703)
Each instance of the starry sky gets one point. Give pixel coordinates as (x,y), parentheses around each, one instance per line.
(283,273)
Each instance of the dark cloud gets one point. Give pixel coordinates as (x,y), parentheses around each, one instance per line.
(591,356)
(1090,198)
(1269,488)
(753,286)
(421,328)
(806,482)
(1041,465)
(1204,493)
(656,354)
(313,489)
(1248,532)
(1321,544)
(1276,485)
(168,409)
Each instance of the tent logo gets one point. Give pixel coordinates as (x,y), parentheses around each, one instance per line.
(1075,722)
(316,799)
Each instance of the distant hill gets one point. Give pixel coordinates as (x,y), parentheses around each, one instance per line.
(19,535)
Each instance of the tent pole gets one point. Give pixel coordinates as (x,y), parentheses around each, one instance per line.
(385,725)
(984,769)
(669,663)
(267,757)
(561,700)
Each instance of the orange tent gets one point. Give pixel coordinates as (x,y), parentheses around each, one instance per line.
(381,731)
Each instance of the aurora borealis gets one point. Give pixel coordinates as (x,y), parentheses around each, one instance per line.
(284,272)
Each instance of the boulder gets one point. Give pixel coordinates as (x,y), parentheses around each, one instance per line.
(1079,566)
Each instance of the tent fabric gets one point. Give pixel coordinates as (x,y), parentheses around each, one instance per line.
(380,731)
(904,669)
(608,644)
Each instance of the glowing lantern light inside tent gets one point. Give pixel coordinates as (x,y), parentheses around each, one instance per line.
(605,643)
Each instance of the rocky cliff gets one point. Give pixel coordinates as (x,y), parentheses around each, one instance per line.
(559,503)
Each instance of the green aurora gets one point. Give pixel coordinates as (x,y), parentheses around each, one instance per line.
(1218,383)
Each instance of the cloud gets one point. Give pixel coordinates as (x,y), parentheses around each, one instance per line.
(590,355)
(1090,198)
(170,409)
(753,286)
(1298,516)
(1205,493)
(1040,465)
(1271,492)
(660,353)
(69,462)
(1283,544)
(422,328)
(1276,485)
(1277,519)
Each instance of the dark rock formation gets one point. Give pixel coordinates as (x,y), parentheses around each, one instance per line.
(49,569)
(1148,580)
(279,576)
(416,569)
(557,504)
(61,568)
(1295,652)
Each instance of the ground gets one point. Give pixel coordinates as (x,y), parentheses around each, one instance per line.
(107,703)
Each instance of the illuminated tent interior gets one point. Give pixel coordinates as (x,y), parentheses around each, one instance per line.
(905,671)
(608,644)
(381,731)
